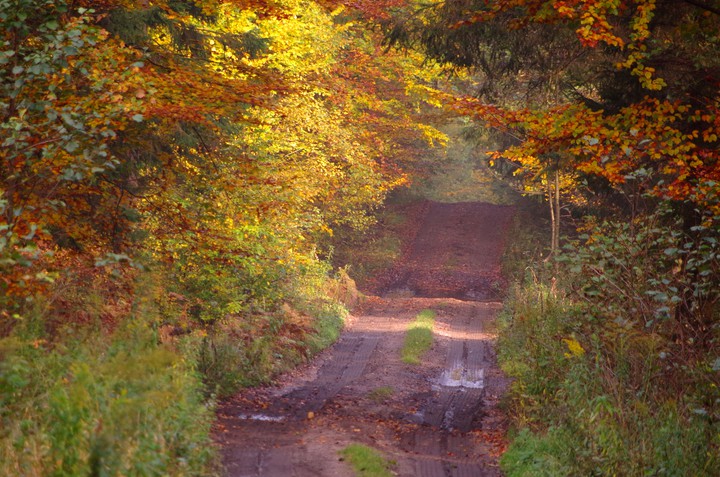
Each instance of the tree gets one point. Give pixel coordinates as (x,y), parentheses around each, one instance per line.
(613,87)
(219,140)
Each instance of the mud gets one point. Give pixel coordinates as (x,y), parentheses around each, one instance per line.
(439,419)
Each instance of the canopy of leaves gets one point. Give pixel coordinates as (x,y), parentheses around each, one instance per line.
(603,87)
(219,139)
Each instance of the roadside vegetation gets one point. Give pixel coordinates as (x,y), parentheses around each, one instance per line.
(418,338)
(111,404)
(381,394)
(609,377)
(366,461)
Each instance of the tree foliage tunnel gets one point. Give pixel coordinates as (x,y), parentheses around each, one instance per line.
(221,140)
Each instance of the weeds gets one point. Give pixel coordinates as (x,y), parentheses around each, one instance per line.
(603,383)
(119,405)
(381,394)
(247,350)
(419,337)
(366,461)
(129,390)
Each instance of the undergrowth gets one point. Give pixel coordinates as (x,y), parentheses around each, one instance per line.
(97,404)
(368,253)
(611,375)
(381,394)
(249,350)
(122,380)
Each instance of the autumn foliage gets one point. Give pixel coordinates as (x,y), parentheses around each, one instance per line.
(168,173)
(234,134)
(607,110)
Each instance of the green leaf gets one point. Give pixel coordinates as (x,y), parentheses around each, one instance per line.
(71,146)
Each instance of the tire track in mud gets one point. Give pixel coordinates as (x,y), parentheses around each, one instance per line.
(437,420)
(457,405)
(462,381)
(351,355)
(278,457)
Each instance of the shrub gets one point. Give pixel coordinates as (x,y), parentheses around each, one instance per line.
(120,405)
(615,364)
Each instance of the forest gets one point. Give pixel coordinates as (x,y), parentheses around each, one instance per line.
(186,187)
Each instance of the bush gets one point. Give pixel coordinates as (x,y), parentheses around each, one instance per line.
(615,364)
(120,405)
(250,349)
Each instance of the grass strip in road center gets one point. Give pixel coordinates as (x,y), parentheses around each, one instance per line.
(419,337)
(366,461)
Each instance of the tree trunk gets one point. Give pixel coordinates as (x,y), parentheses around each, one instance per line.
(553,219)
(553,195)
(556,229)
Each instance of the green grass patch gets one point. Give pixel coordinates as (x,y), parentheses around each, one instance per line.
(419,337)
(366,461)
(381,394)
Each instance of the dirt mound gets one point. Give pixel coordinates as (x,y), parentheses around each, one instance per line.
(455,253)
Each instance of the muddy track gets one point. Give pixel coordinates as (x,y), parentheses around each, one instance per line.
(436,420)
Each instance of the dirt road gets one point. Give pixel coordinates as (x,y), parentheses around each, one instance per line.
(439,419)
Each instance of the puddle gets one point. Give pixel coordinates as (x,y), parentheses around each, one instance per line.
(462,377)
(417,417)
(261,417)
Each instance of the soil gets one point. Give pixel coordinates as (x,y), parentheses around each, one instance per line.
(437,419)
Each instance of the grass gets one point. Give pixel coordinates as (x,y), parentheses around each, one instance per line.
(127,396)
(366,461)
(577,408)
(591,397)
(252,349)
(102,405)
(418,338)
(381,394)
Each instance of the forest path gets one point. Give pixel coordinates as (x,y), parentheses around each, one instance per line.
(437,419)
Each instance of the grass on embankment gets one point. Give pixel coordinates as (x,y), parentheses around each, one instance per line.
(102,405)
(419,337)
(366,461)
